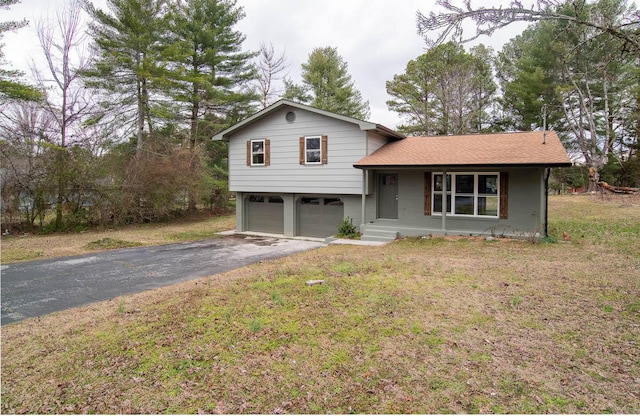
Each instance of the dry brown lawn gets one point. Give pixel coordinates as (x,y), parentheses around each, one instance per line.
(417,326)
(30,247)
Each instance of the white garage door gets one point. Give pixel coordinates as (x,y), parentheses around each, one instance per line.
(319,217)
(265,214)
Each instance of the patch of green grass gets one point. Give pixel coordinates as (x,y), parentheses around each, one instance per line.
(256,325)
(515,301)
(194,235)
(13,255)
(277,299)
(111,244)
(343,268)
(633,308)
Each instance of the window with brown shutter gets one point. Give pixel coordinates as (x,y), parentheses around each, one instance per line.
(470,194)
(258,152)
(313,150)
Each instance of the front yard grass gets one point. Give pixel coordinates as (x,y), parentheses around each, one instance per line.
(442,325)
(32,247)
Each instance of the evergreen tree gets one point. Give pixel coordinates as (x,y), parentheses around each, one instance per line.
(326,84)
(129,65)
(444,91)
(210,72)
(11,88)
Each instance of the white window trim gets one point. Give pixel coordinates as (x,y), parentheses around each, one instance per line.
(306,138)
(263,153)
(453,194)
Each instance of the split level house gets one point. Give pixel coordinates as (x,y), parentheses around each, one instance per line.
(299,171)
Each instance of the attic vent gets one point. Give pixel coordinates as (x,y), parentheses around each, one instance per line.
(290,117)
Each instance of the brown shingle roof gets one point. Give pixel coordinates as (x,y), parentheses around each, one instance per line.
(500,149)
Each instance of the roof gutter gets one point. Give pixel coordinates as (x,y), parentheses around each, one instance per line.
(474,166)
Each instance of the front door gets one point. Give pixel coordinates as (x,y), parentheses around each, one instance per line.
(388,199)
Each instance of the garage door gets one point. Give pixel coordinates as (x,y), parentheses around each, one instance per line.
(265,214)
(319,217)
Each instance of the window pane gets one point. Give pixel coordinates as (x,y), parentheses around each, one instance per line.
(258,159)
(256,198)
(464,205)
(464,185)
(488,184)
(313,143)
(437,183)
(257,147)
(488,205)
(313,156)
(275,200)
(333,201)
(310,201)
(437,203)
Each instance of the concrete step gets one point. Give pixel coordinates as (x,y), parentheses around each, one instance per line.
(378,234)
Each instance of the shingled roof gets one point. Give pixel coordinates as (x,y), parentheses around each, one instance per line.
(473,150)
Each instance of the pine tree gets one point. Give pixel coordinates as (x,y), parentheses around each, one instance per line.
(129,47)
(326,84)
(444,91)
(11,88)
(210,73)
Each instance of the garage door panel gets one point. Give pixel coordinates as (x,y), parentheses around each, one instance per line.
(265,214)
(319,217)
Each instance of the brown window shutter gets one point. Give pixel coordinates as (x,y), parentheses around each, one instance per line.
(248,152)
(324,150)
(267,152)
(302,150)
(504,195)
(427,193)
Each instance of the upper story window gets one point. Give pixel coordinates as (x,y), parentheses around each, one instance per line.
(313,150)
(258,152)
(470,194)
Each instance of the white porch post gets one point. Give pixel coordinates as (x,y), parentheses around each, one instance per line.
(444,201)
(363,211)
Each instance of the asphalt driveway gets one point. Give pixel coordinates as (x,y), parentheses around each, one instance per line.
(37,288)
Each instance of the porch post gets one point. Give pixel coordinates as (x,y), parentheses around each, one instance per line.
(444,201)
(363,211)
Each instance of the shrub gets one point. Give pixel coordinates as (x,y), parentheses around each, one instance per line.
(347,229)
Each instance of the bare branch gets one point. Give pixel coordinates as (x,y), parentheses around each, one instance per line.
(488,20)
(270,69)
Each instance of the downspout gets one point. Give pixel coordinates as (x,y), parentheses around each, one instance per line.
(365,176)
(546,202)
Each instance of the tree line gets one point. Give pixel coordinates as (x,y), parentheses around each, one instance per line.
(119,131)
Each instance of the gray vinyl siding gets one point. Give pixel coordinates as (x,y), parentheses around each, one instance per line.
(346,145)
(374,142)
(525,202)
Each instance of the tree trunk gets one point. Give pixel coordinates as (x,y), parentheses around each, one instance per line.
(140,130)
(192,147)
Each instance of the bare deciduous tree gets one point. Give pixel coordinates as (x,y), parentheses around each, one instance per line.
(490,19)
(270,69)
(63,45)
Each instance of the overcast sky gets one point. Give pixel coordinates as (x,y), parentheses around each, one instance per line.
(375,37)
